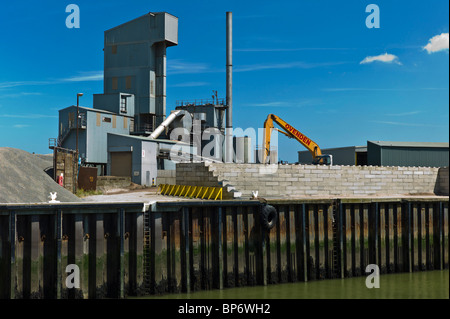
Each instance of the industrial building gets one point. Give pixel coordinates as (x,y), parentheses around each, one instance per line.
(93,128)
(384,153)
(141,157)
(350,155)
(381,153)
(126,133)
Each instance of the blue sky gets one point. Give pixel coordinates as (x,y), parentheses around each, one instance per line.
(313,63)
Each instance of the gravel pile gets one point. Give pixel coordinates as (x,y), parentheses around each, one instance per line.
(23,178)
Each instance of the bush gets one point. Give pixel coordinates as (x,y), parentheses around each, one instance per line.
(83,193)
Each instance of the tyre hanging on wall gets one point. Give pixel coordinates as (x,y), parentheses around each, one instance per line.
(269,216)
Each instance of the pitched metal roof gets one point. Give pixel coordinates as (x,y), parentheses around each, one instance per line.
(410,144)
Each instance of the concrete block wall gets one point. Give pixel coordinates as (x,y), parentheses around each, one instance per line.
(200,174)
(166,177)
(311,180)
(106,183)
(195,174)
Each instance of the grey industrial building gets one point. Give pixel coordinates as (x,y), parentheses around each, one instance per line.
(350,155)
(133,103)
(384,153)
(381,153)
(127,133)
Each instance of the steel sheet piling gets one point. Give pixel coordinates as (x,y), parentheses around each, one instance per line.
(200,245)
(282,244)
(291,244)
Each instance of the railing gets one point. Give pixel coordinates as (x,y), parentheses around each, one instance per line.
(198,102)
(143,128)
(81,122)
(52,143)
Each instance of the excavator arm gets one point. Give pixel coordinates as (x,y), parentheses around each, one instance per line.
(291,132)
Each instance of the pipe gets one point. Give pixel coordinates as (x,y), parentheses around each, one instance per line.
(165,124)
(229,90)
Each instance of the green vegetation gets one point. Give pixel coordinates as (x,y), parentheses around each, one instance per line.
(83,193)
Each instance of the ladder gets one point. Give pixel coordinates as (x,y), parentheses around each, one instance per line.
(147,250)
(336,242)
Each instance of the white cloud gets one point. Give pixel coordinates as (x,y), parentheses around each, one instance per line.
(189,84)
(28,116)
(288,49)
(401,123)
(182,67)
(20,94)
(382,89)
(386,58)
(286,65)
(297,103)
(437,43)
(12,84)
(81,77)
(404,114)
(85,76)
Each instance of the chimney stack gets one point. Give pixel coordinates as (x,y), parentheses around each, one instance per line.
(229,91)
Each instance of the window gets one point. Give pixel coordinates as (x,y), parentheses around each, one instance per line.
(131,125)
(107,119)
(123,104)
(114,49)
(152,88)
(71,119)
(114,83)
(128,82)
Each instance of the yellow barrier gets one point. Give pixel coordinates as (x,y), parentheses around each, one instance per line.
(203,192)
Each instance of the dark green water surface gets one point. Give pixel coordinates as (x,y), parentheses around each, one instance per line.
(417,285)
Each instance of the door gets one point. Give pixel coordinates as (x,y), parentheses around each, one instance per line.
(121,164)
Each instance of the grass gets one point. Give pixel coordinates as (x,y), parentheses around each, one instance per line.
(83,193)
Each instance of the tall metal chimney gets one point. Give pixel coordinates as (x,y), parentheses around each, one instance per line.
(229,97)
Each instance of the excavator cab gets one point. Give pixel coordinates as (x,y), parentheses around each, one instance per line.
(325,159)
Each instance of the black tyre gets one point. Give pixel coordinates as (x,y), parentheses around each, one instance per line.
(269,217)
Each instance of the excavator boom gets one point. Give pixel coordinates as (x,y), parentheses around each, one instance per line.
(291,132)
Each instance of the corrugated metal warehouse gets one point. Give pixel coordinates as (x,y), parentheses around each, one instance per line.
(350,155)
(381,153)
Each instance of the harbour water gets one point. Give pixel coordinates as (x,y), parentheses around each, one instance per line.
(416,285)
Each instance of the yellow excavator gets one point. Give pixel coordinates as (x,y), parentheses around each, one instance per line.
(291,132)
